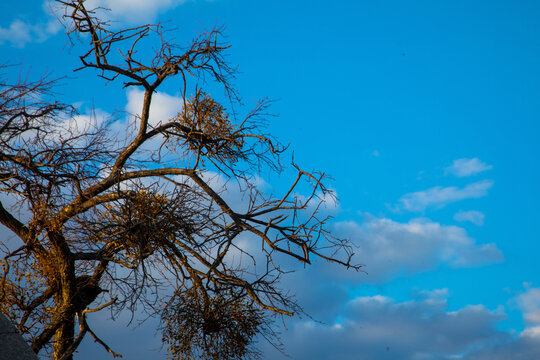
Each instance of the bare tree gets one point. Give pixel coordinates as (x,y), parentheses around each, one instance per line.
(136,217)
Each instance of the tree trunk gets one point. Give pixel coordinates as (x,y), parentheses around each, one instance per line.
(63,338)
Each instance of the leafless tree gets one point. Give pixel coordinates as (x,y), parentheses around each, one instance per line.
(119,219)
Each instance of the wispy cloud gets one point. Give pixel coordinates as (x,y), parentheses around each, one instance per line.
(473,216)
(438,197)
(467,167)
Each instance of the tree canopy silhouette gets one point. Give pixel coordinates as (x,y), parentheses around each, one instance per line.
(118,214)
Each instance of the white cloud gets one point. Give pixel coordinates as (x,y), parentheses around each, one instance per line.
(467,167)
(438,197)
(163,107)
(529,303)
(380,328)
(527,345)
(390,248)
(84,123)
(532,332)
(476,217)
(20,33)
(522,348)
(367,327)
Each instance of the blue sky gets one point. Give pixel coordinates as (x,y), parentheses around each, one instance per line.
(425,113)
